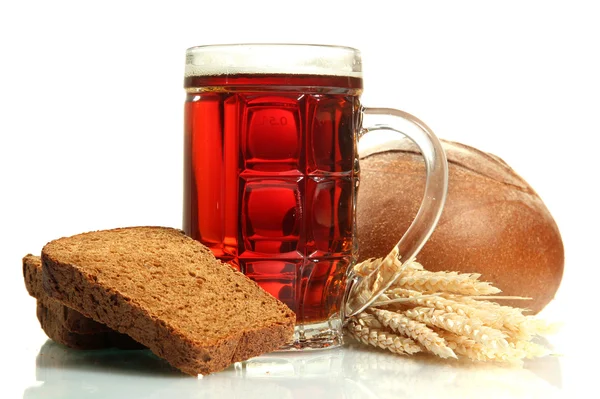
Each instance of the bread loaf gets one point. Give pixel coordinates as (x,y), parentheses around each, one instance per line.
(493,223)
(168,292)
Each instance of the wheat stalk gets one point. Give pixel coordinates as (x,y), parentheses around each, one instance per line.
(414,329)
(461,325)
(510,320)
(366,329)
(444,313)
(432,301)
(465,346)
(450,282)
(480,303)
(529,350)
(517,325)
(368,266)
(477,351)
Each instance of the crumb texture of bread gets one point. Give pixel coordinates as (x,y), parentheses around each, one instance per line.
(32,274)
(168,292)
(65,325)
(72,320)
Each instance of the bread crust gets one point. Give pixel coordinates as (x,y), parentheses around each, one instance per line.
(80,341)
(65,325)
(58,333)
(493,223)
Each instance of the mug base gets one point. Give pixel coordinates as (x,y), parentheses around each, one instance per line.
(327,334)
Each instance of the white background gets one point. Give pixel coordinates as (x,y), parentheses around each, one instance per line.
(91,112)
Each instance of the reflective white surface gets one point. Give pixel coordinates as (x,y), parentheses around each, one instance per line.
(353,371)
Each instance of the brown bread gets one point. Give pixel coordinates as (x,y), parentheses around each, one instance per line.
(168,292)
(493,223)
(84,341)
(58,333)
(65,317)
(65,325)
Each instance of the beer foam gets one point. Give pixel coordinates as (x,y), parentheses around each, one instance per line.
(292,59)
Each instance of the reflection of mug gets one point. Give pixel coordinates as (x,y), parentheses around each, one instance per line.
(271,171)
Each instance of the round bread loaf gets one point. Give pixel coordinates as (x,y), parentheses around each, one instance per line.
(493,222)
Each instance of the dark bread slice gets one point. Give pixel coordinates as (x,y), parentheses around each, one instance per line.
(168,292)
(58,333)
(72,320)
(99,340)
(65,325)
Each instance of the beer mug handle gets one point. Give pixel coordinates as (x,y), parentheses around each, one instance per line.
(364,290)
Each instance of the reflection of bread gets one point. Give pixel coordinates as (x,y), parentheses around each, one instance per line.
(168,292)
(65,325)
(55,362)
(493,222)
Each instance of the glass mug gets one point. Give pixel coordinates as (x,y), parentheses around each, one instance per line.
(271,174)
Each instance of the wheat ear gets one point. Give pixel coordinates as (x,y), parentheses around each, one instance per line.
(529,350)
(366,329)
(368,266)
(449,282)
(436,301)
(474,350)
(461,325)
(414,329)
(516,325)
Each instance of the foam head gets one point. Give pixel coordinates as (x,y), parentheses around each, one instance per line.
(293,59)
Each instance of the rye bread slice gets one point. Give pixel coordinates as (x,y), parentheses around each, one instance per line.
(46,313)
(58,333)
(168,292)
(65,325)
(63,316)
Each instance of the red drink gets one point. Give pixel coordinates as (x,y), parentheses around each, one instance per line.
(271,173)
